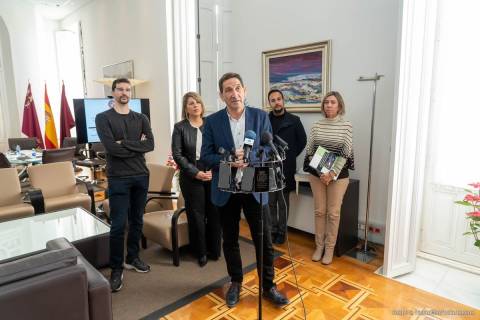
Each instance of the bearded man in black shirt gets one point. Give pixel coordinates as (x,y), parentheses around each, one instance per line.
(288,127)
(126,136)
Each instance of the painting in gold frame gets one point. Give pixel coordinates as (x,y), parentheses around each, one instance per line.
(302,73)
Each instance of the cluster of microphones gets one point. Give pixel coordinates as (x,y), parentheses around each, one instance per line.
(265,169)
(274,149)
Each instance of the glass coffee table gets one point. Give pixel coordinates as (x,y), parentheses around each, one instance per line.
(26,236)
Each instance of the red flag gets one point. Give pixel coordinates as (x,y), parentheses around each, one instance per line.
(30,125)
(51,141)
(66,118)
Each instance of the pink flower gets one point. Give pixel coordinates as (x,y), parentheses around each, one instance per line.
(474,214)
(171,163)
(476,185)
(472,198)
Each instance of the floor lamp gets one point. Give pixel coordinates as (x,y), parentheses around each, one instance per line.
(366,253)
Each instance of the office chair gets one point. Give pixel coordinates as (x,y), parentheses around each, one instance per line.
(58,155)
(4,163)
(24,143)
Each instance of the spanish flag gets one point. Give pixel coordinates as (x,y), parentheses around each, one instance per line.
(51,141)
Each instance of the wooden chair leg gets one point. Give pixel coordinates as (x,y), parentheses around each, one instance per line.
(144,242)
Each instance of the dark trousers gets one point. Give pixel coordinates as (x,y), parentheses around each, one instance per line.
(278,209)
(127,197)
(204,228)
(230,217)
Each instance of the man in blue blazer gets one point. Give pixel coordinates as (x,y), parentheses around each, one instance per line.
(226,128)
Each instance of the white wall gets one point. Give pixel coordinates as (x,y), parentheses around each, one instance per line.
(23,45)
(364,41)
(8,116)
(120,30)
(32,47)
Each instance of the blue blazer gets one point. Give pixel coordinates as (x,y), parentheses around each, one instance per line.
(217,133)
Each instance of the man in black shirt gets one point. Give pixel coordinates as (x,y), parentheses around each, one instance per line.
(288,127)
(126,136)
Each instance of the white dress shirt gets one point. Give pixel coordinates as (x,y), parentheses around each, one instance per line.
(198,147)
(238,129)
(238,133)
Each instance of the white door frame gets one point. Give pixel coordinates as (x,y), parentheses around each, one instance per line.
(182,53)
(409,140)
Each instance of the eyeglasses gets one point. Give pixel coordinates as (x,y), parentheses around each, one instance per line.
(123,89)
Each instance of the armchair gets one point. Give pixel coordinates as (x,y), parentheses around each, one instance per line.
(58,187)
(11,204)
(160,181)
(169,228)
(55,284)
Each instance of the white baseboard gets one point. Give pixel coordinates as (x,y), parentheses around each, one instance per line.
(448,262)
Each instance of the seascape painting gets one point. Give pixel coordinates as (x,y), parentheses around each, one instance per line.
(301,73)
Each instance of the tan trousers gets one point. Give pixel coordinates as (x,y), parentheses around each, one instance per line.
(327,204)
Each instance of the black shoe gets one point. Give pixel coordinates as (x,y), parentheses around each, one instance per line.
(274,237)
(202,261)
(116,280)
(233,294)
(280,238)
(137,265)
(275,296)
(213,257)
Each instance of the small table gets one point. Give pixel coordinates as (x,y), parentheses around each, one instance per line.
(26,236)
(25,157)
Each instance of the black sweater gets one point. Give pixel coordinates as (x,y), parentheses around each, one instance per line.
(125,158)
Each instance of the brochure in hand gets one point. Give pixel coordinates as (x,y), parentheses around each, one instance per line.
(323,161)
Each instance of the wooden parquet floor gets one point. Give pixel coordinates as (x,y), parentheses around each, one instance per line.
(346,289)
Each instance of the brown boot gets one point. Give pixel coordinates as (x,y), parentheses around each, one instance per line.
(328,256)
(317,254)
(319,236)
(331,233)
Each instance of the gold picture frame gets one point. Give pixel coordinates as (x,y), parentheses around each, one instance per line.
(301,72)
(122,69)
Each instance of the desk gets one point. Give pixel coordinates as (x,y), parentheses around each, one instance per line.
(302,217)
(26,236)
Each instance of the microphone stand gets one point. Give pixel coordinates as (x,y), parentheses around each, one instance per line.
(260,281)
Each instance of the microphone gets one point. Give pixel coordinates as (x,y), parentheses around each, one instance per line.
(267,139)
(283,144)
(223,153)
(232,157)
(248,144)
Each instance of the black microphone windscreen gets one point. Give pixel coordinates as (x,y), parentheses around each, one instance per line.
(281,142)
(266,138)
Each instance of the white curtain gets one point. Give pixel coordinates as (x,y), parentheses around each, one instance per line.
(454,133)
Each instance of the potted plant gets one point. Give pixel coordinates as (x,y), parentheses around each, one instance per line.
(472,200)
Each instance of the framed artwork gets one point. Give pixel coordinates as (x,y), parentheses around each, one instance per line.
(302,73)
(118,70)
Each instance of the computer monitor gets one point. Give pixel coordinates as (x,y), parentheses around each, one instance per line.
(87,109)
